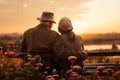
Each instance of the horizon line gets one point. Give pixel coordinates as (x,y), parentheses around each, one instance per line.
(76,33)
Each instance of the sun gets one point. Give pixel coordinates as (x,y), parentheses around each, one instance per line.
(77,27)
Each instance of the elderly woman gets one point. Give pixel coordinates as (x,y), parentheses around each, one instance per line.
(72,43)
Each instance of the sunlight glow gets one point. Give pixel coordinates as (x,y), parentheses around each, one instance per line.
(25,5)
(76,28)
(87,16)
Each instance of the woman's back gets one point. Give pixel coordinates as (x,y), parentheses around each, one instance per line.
(72,41)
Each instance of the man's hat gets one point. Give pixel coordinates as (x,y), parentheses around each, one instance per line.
(47,16)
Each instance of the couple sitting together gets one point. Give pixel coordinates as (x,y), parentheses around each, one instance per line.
(54,48)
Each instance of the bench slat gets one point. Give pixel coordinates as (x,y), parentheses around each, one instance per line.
(104,53)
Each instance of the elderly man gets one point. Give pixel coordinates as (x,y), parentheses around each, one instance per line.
(40,40)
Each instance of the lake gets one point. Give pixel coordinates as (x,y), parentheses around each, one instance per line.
(99,46)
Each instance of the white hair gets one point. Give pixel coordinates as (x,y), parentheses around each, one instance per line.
(45,22)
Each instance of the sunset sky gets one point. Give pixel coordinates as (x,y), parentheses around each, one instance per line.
(87,16)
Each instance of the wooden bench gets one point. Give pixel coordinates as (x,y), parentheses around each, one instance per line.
(91,68)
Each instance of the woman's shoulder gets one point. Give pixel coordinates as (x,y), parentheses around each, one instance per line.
(78,36)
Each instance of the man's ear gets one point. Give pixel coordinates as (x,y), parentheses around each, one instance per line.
(50,25)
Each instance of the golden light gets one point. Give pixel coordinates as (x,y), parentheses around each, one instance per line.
(77,28)
(88,16)
(80,27)
(25,5)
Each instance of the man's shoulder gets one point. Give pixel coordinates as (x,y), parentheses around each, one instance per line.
(53,32)
(29,30)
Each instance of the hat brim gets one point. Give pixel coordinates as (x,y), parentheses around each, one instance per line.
(45,20)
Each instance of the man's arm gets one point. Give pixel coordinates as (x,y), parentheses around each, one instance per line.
(23,44)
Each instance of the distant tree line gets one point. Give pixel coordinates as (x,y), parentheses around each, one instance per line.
(101,38)
(108,38)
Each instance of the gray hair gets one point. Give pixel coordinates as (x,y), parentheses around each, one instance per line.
(45,22)
(65,24)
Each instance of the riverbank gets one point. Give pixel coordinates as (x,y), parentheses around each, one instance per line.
(101,38)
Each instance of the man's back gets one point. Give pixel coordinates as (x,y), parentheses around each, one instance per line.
(39,39)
